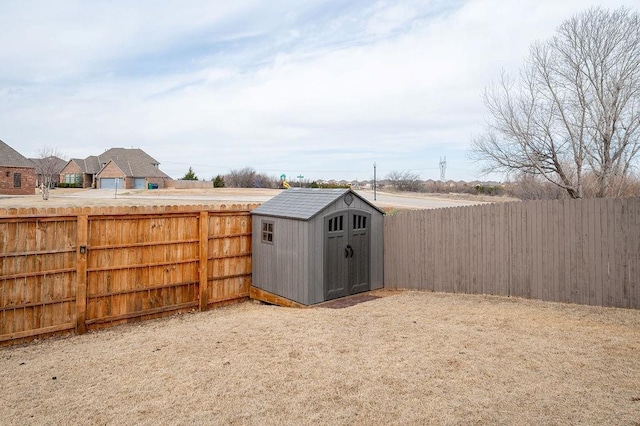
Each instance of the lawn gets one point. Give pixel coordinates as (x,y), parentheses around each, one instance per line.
(408,358)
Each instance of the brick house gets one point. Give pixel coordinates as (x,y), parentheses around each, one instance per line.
(17,173)
(81,172)
(126,168)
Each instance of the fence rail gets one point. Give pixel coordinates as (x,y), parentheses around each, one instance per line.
(575,251)
(74,269)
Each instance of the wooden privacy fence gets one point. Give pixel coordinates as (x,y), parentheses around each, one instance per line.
(575,251)
(73,269)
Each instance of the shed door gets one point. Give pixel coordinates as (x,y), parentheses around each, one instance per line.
(347,253)
(360,251)
(335,259)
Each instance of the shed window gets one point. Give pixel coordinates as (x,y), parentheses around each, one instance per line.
(336,224)
(17,180)
(359,222)
(267,232)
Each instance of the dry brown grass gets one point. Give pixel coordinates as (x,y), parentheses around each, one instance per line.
(410,358)
(70,197)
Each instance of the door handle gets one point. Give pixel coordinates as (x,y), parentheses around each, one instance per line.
(348,251)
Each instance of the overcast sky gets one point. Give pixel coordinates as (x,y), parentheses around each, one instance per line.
(316,88)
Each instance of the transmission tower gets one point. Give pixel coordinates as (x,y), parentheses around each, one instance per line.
(443,167)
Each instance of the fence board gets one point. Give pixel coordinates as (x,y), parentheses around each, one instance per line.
(621,297)
(35,293)
(596,270)
(554,217)
(588,217)
(577,251)
(634,253)
(139,263)
(562,259)
(608,297)
(229,259)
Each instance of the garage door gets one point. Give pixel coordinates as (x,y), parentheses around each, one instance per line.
(110,183)
(139,183)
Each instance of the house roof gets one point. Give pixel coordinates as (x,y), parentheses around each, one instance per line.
(9,157)
(303,204)
(133,154)
(133,162)
(89,165)
(136,168)
(53,163)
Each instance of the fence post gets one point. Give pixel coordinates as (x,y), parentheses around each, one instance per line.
(204,254)
(82,234)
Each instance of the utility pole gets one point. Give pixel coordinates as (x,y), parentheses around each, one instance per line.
(374,181)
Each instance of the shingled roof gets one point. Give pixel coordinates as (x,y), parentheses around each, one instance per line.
(133,168)
(50,164)
(133,162)
(302,204)
(9,157)
(90,165)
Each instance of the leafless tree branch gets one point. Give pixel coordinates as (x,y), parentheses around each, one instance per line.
(575,108)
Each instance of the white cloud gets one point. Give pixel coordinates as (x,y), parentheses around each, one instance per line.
(238,83)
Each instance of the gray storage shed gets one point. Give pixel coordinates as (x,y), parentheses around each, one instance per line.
(313,245)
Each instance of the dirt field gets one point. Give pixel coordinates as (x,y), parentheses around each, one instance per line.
(65,197)
(409,358)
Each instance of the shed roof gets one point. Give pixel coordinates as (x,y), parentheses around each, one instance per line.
(303,204)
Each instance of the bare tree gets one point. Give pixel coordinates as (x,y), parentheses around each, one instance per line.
(48,164)
(534,187)
(405,181)
(249,178)
(575,108)
(240,178)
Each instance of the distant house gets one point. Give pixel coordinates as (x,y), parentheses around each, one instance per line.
(17,173)
(116,167)
(49,167)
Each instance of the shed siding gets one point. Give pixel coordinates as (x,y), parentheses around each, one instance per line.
(316,261)
(281,268)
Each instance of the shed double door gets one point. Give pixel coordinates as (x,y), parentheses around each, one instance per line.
(347,253)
